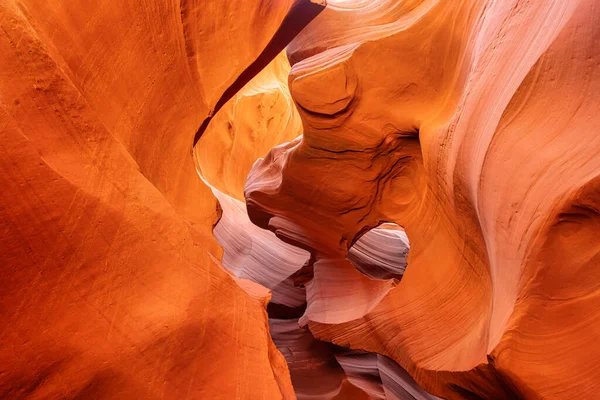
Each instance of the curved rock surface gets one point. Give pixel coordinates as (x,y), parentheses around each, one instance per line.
(315,371)
(110,287)
(472,125)
(257,255)
(380,377)
(381,253)
(468,126)
(260,116)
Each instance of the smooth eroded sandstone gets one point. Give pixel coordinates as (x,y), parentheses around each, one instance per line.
(471,125)
(111,285)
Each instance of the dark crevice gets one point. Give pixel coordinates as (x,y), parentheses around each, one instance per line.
(280,311)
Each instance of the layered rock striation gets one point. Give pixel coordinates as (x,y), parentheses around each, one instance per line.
(246,128)
(403,204)
(471,125)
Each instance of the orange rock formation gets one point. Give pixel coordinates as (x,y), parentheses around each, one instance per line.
(472,126)
(410,209)
(110,287)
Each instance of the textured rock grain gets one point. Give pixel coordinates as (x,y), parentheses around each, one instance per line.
(472,125)
(110,287)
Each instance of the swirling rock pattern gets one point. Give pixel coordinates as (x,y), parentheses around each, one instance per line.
(255,254)
(471,124)
(381,253)
(315,371)
(258,117)
(380,377)
(252,254)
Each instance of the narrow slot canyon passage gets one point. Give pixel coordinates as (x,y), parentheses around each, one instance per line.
(300,199)
(245,129)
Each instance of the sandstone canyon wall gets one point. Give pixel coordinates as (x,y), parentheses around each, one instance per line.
(260,116)
(111,286)
(473,125)
(402,204)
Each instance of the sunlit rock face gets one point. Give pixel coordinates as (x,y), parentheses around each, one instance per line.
(402,204)
(112,286)
(254,254)
(472,125)
(260,116)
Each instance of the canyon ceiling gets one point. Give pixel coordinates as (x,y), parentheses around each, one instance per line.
(280,199)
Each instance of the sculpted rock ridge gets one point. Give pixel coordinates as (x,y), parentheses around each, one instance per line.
(472,125)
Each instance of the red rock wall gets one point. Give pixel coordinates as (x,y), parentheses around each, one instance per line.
(129,134)
(472,125)
(110,287)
